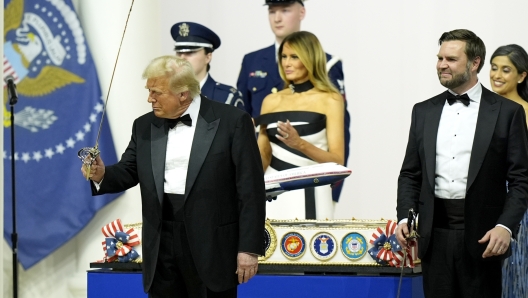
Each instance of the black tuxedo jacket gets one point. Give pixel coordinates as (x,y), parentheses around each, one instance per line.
(224,193)
(499,154)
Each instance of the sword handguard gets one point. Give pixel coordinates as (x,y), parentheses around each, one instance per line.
(412,225)
(88,156)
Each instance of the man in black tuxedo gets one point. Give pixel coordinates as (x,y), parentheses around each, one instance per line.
(202,187)
(464,145)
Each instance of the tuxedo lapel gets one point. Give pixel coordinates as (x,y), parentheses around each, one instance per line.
(158,148)
(487,119)
(206,128)
(432,121)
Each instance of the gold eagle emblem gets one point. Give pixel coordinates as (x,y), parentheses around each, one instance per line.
(50,77)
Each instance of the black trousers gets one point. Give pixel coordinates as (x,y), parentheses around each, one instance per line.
(176,274)
(449,271)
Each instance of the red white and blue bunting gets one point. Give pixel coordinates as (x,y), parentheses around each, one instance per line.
(387,250)
(118,244)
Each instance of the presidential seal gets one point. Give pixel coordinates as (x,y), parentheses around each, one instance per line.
(354,246)
(323,246)
(270,241)
(293,245)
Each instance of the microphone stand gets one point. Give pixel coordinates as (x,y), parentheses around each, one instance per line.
(13,99)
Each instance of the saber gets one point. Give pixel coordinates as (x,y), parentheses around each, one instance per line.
(413,235)
(89,154)
(401,272)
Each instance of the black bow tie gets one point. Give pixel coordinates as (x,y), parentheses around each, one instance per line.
(464,98)
(185,119)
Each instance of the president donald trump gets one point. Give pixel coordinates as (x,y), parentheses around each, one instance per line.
(202,187)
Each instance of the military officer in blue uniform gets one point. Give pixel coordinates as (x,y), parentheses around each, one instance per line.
(196,43)
(259,75)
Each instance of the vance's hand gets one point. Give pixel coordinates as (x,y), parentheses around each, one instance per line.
(97,170)
(499,241)
(247,266)
(401,233)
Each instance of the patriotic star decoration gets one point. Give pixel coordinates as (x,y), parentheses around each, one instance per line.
(59,148)
(118,244)
(387,250)
(394,243)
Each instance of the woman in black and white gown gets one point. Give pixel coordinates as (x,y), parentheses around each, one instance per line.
(302,125)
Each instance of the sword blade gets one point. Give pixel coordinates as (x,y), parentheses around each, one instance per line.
(401,272)
(112,77)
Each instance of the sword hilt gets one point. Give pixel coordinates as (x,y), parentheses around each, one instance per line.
(88,156)
(412,225)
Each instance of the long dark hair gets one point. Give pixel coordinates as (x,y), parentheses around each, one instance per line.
(519,59)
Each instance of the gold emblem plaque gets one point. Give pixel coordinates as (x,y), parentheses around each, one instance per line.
(270,241)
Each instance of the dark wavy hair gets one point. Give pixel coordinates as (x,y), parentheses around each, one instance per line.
(519,59)
(474,45)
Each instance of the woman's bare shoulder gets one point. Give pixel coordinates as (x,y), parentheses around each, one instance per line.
(270,102)
(336,96)
(327,98)
(278,95)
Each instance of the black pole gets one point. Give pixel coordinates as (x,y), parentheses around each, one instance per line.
(13,98)
(14,235)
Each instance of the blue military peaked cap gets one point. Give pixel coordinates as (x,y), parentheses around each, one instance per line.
(190,37)
(272,2)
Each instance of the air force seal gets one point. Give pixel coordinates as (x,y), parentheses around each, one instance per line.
(354,246)
(323,246)
(293,245)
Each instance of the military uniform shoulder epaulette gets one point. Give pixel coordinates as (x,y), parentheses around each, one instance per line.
(227,88)
(229,95)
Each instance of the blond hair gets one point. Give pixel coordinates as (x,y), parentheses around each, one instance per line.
(179,72)
(310,52)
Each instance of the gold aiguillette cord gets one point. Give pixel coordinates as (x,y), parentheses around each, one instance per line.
(89,154)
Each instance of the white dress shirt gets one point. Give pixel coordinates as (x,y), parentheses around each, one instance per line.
(179,143)
(454,142)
